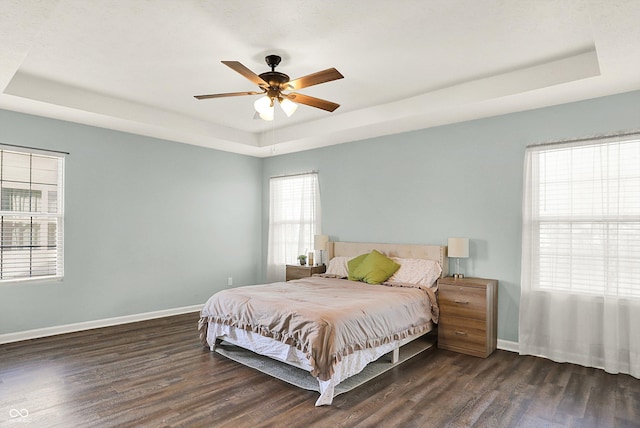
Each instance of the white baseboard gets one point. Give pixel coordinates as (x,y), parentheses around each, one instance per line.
(507,345)
(88,325)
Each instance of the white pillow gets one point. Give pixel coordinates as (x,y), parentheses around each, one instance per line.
(416,271)
(338,266)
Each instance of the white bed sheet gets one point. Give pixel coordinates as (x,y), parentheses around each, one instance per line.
(349,365)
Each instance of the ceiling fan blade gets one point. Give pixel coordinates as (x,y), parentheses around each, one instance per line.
(312,101)
(314,79)
(230,94)
(239,68)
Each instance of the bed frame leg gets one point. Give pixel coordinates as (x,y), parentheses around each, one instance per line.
(395,356)
(217,342)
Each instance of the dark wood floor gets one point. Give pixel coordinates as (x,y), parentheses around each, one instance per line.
(155,373)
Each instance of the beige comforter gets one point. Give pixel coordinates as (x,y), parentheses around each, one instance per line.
(326,318)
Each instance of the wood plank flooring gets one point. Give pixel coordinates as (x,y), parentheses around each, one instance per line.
(155,373)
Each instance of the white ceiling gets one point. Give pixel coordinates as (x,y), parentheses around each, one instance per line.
(135,65)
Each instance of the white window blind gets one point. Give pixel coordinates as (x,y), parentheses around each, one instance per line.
(581,217)
(294,219)
(31,215)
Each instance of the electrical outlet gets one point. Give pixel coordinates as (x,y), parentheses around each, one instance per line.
(230,281)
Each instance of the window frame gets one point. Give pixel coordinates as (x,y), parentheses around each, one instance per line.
(45,261)
(589,238)
(278,257)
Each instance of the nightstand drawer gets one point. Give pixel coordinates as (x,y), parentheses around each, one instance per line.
(298,272)
(464,332)
(463,301)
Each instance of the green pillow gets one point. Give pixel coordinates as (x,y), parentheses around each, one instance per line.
(376,268)
(353,264)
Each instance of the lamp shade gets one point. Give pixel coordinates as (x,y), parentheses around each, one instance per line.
(320,242)
(263,104)
(268,114)
(288,106)
(459,247)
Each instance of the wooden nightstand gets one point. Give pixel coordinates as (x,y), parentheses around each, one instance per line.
(297,271)
(468,315)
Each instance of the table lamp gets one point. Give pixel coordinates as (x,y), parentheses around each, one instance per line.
(320,244)
(458,249)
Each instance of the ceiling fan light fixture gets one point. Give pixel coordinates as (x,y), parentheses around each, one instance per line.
(288,106)
(263,105)
(267,114)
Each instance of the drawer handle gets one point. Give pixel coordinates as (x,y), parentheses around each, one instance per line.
(462,302)
(461,333)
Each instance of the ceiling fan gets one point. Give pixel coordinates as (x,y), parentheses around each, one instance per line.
(273,84)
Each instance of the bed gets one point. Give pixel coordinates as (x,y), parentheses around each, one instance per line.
(327,325)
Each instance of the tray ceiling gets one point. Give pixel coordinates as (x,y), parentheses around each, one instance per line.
(135,65)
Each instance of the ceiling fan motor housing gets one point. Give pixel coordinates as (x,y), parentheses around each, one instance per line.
(275,79)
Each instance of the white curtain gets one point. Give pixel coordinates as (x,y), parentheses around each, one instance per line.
(294,218)
(580,298)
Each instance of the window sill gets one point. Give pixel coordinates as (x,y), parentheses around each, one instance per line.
(36,280)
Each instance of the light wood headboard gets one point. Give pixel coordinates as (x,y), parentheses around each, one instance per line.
(408,251)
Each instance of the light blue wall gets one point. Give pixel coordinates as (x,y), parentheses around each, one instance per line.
(150,225)
(457,180)
(153,225)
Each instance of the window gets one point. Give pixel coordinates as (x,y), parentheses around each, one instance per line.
(581,217)
(294,219)
(31,220)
